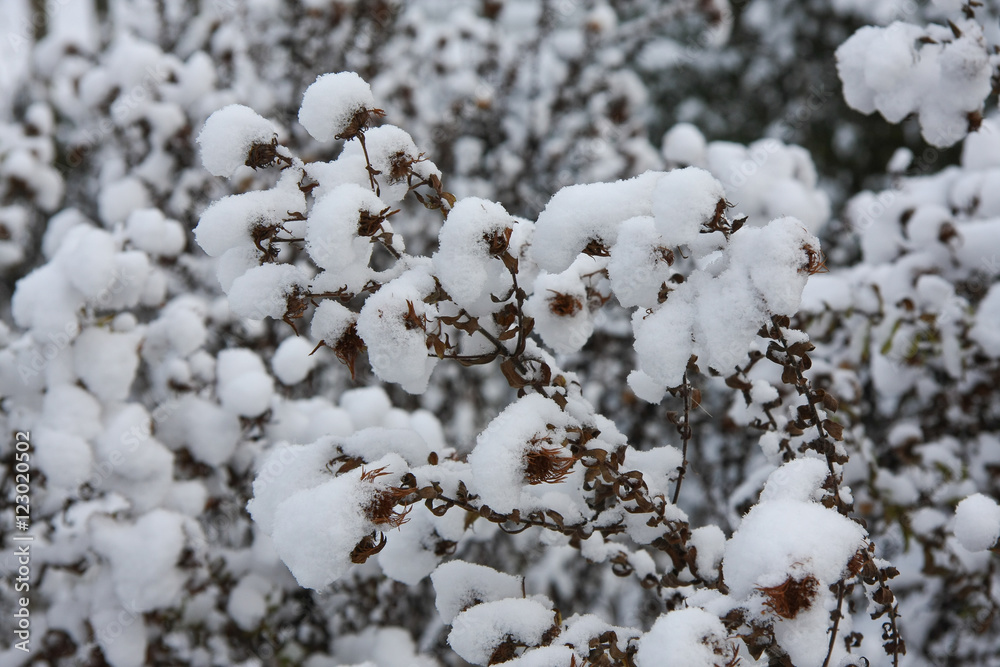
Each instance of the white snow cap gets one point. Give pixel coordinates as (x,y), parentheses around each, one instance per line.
(903,69)
(459,585)
(229,134)
(683,201)
(977,522)
(330,103)
(263,291)
(477,632)
(397,340)
(685,638)
(463,263)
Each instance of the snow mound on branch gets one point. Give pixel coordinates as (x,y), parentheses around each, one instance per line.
(786,541)
(479,631)
(228,136)
(332,237)
(761,272)
(942,74)
(393,324)
(463,263)
(498,461)
(330,102)
(263,291)
(459,585)
(977,522)
(685,638)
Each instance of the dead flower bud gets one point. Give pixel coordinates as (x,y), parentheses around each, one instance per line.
(665,254)
(381,509)
(498,241)
(564,305)
(265,155)
(368,547)
(815,261)
(369,224)
(413,321)
(596,248)
(789,598)
(295,308)
(546,465)
(349,346)
(360,121)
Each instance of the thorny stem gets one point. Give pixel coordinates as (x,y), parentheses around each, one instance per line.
(686,435)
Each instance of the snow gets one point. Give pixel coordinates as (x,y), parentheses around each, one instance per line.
(560,307)
(330,320)
(397,347)
(684,145)
(463,264)
(150,231)
(142,557)
(244,385)
(459,585)
(248,602)
(498,461)
(579,214)
(263,291)
(478,631)
(683,201)
(293,361)
(977,522)
(787,539)
(228,136)
(941,79)
(684,638)
(710,542)
(332,230)
(320,526)
(106,362)
(330,103)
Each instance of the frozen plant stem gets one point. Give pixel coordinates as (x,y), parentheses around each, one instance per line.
(685,431)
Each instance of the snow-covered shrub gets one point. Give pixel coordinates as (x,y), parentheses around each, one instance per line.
(716,298)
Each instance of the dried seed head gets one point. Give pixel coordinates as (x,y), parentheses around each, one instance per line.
(381,509)
(413,321)
(789,598)
(262,155)
(360,121)
(664,254)
(564,305)
(348,347)
(401,165)
(596,248)
(815,261)
(368,547)
(498,241)
(546,465)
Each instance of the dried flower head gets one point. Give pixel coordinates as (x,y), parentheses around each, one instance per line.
(546,465)
(564,305)
(368,547)
(265,155)
(790,597)
(360,121)
(596,248)
(349,346)
(498,241)
(815,261)
(381,509)
(413,321)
